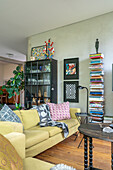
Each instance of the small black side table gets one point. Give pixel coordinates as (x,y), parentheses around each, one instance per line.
(85,116)
(94,130)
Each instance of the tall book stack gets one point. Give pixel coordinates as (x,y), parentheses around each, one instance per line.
(96,97)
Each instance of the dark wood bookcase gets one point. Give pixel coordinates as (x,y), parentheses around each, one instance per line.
(40,82)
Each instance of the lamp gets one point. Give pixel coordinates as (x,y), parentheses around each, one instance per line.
(83,114)
(81,87)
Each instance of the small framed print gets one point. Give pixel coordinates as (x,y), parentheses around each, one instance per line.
(71,92)
(71,68)
(37,53)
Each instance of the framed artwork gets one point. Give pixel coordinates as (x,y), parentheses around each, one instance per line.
(71,68)
(38,53)
(71,92)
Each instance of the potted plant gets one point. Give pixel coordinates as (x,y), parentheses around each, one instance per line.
(15,85)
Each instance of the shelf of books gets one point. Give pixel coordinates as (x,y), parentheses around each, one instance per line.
(96,97)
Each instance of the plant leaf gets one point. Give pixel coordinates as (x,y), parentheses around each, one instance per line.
(18,68)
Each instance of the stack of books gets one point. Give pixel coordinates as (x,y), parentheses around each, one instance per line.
(96,98)
(108,119)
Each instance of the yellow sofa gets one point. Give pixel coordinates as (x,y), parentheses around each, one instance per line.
(18,141)
(38,139)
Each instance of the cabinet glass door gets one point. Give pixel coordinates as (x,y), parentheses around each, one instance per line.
(46,77)
(28,98)
(47,67)
(46,94)
(34,80)
(28,79)
(34,67)
(28,68)
(40,94)
(40,79)
(40,66)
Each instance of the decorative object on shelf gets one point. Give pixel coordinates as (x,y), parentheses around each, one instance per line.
(71,68)
(96,98)
(38,53)
(71,91)
(49,50)
(97,45)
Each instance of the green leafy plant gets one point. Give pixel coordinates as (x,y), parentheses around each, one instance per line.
(15,85)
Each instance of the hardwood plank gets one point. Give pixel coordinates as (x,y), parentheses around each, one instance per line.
(67,152)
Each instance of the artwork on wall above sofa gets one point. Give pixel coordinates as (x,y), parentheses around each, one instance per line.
(71,68)
(71,91)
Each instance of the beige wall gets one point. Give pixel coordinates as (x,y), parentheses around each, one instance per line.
(8,71)
(1,74)
(78,40)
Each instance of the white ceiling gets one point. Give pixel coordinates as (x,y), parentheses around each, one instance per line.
(20,19)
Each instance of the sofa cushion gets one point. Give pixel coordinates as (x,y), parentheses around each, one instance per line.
(51,130)
(9,158)
(6,114)
(34,137)
(59,111)
(70,122)
(44,113)
(30,118)
(17,112)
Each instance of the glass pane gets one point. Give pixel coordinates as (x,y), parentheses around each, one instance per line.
(28,68)
(47,67)
(34,67)
(28,98)
(28,91)
(28,79)
(34,91)
(40,79)
(40,66)
(34,79)
(46,91)
(40,94)
(47,78)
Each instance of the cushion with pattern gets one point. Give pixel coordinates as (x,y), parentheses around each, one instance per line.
(59,111)
(44,113)
(9,158)
(6,114)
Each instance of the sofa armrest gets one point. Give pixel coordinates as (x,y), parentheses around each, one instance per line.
(73,111)
(8,127)
(18,141)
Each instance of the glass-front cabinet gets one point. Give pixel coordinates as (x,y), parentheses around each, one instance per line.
(40,82)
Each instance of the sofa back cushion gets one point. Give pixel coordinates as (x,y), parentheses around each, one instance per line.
(17,112)
(30,118)
(59,111)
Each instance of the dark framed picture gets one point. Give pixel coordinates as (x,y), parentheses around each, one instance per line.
(71,92)
(38,52)
(71,68)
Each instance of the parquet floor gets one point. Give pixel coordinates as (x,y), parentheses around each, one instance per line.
(67,152)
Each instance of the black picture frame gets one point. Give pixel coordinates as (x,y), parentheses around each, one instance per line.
(71,92)
(71,68)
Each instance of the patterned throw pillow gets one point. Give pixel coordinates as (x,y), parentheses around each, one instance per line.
(44,113)
(59,111)
(9,158)
(6,114)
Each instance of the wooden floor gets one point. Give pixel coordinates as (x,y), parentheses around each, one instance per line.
(67,152)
